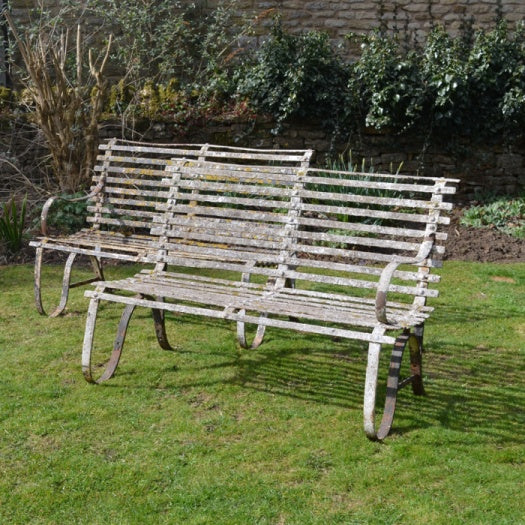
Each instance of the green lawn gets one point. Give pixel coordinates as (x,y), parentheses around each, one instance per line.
(212,434)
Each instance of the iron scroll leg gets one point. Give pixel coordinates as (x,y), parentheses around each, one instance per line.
(258,338)
(66,281)
(416,361)
(96,263)
(241,327)
(159,320)
(261,329)
(159,315)
(393,383)
(112,364)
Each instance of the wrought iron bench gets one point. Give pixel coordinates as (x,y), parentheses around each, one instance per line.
(324,248)
(127,183)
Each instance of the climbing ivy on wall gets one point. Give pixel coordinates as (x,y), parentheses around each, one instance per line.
(472,84)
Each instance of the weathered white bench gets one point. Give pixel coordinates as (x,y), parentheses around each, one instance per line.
(334,253)
(127,184)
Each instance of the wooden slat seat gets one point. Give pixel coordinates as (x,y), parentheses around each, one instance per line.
(130,181)
(341,311)
(336,253)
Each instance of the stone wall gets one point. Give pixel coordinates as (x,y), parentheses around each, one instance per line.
(412,18)
(339,17)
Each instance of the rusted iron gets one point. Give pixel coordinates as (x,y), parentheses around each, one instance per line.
(160,327)
(273,238)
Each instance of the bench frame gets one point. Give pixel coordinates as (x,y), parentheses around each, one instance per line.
(118,150)
(153,288)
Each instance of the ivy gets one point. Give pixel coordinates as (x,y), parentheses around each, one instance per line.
(296,76)
(385,86)
(469,85)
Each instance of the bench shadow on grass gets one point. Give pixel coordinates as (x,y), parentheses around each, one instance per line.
(458,398)
(470,389)
(473,389)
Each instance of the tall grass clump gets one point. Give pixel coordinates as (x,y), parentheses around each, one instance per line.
(12,223)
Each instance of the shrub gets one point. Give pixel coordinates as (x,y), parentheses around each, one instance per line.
(66,89)
(385,88)
(296,76)
(472,85)
(165,42)
(67,215)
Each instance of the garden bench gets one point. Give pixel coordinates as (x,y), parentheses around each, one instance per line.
(127,183)
(297,248)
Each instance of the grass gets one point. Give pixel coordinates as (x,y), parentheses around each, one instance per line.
(212,434)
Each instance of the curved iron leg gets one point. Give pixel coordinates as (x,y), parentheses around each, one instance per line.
(393,383)
(369,402)
(113,362)
(96,263)
(241,327)
(159,323)
(65,283)
(290,283)
(160,329)
(416,350)
(257,340)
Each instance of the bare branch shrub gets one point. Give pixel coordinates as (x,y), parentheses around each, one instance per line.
(67,100)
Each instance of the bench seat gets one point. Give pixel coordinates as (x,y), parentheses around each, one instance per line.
(105,244)
(193,293)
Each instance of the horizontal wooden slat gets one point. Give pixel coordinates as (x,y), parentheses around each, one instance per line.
(129,212)
(228,153)
(120,222)
(133,201)
(223,188)
(366,183)
(115,190)
(359,268)
(226,199)
(370,213)
(230,239)
(159,182)
(338,239)
(393,176)
(374,201)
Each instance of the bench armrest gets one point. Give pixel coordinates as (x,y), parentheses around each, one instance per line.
(51,200)
(388,272)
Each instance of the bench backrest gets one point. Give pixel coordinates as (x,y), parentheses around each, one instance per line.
(353,224)
(132,176)
(317,227)
(228,216)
